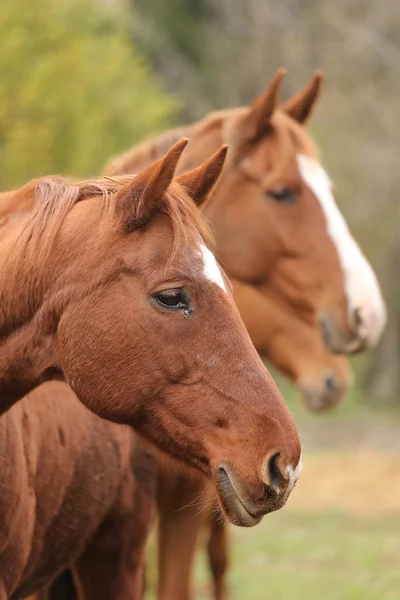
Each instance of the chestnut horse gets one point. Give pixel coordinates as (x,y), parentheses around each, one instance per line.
(283,234)
(274,215)
(90,282)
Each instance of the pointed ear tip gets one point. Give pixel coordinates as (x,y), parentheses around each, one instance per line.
(318,75)
(219,155)
(182,143)
(281,72)
(179,146)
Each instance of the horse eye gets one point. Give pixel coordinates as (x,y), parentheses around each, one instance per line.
(173,299)
(282,195)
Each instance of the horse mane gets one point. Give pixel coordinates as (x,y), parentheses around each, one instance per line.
(289,132)
(51,199)
(134,159)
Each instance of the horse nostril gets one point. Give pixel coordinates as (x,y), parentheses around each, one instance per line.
(274,472)
(357,318)
(330,385)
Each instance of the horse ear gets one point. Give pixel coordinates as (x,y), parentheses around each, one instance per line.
(200,182)
(300,106)
(137,200)
(261,109)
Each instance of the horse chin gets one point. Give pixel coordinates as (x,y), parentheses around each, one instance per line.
(317,402)
(232,505)
(322,396)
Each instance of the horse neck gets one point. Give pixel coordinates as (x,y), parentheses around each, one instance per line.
(206,137)
(27,336)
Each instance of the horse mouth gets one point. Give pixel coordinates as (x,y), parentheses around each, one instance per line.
(232,504)
(336,344)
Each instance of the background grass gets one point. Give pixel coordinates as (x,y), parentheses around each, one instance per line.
(327,556)
(350,551)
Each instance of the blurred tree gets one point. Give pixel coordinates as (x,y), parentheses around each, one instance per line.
(173,35)
(73,89)
(180,21)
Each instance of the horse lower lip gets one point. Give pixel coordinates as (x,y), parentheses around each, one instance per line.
(359,345)
(233,506)
(336,345)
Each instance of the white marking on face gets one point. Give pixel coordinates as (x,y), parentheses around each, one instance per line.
(294,474)
(362,288)
(211,269)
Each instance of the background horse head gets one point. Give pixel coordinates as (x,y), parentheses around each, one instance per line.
(294,347)
(111,285)
(274,214)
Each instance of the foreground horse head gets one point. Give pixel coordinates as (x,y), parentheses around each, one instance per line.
(294,347)
(275,218)
(111,286)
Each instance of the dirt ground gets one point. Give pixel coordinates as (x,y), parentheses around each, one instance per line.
(362,482)
(352,467)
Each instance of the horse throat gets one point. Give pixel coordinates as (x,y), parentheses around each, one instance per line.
(28,344)
(28,357)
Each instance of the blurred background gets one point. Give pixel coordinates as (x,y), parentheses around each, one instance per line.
(81,80)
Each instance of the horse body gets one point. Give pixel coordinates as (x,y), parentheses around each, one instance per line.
(65,473)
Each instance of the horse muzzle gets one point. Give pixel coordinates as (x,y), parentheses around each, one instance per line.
(362,333)
(323,393)
(245,509)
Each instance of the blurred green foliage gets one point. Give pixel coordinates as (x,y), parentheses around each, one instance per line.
(180,22)
(73,89)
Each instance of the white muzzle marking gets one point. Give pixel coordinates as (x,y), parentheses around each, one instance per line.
(294,474)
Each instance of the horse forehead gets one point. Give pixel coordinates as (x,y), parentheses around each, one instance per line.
(269,157)
(314,175)
(195,261)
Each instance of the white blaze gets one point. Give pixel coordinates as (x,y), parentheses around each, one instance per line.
(211,269)
(361,285)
